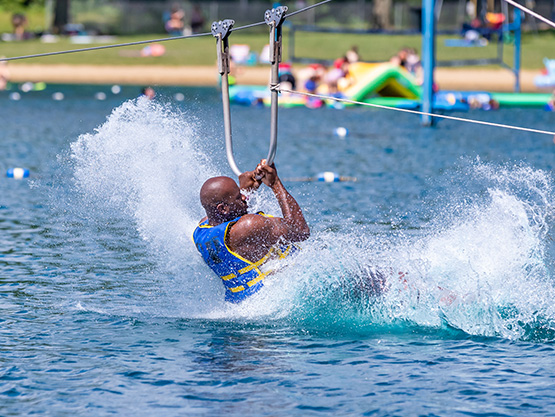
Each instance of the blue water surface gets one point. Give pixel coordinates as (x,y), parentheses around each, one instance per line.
(108,309)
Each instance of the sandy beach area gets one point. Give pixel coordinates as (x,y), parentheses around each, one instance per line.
(498,80)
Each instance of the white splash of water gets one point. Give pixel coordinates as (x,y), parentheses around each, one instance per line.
(482,268)
(147,163)
(490,267)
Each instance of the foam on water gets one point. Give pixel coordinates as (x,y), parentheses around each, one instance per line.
(495,255)
(147,164)
(483,265)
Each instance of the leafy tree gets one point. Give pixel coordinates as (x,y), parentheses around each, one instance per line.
(61,15)
(18,5)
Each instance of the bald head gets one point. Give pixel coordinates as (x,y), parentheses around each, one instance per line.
(217,190)
(222,198)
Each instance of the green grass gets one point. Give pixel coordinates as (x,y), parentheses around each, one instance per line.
(382,47)
(202,51)
(35,19)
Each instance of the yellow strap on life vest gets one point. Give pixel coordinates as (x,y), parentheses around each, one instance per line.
(249,284)
(228,277)
(257,263)
(283,255)
(256,280)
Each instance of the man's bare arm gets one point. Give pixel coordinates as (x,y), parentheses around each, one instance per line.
(293,226)
(253,235)
(248,181)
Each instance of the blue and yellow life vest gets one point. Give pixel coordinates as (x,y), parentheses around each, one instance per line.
(241,277)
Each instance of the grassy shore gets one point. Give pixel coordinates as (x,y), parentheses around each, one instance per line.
(202,50)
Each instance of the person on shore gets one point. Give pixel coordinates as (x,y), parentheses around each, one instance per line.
(19,23)
(400,58)
(175,24)
(197,19)
(240,247)
(352,55)
(339,71)
(408,59)
(313,76)
(286,77)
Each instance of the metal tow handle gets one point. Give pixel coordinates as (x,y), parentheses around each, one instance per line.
(274,18)
(221,31)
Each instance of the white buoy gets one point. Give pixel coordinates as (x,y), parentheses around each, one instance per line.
(58,96)
(116,89)
(15,96)
(27,86)
(328,176)
(179,96)
(100,96)
(341,132)
(17,173)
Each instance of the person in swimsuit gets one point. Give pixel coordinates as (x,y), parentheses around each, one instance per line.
(237,245)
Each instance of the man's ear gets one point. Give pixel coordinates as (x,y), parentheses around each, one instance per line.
(222,208)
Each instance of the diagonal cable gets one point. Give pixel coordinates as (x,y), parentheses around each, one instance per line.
(530,12)
(459,119)
(307,8)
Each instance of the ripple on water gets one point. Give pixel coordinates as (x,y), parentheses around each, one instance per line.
(107,307)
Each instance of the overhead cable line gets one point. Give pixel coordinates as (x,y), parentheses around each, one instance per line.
(173,38)
(252,25)
(304,9)
(307,8)
(537,16)
(95,48)
(459,119)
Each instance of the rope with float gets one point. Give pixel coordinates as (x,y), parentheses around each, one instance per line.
(442,116)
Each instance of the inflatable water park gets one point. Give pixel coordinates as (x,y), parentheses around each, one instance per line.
(393,85)
(388,84)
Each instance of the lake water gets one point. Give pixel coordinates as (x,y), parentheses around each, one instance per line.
(108,309)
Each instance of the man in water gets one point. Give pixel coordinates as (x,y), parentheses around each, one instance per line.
(237,245)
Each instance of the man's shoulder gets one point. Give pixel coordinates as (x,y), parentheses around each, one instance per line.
(203,222)
(251,220)
(253,224)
